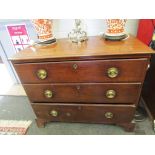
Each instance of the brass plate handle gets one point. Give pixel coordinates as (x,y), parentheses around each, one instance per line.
(75,66)
(48,94)
(54,113)
(42,74)
(109,115)
(112,72)
(110,94)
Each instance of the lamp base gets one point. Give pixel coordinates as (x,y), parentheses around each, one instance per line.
(47,42)
(114,38)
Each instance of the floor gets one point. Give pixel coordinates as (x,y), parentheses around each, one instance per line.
(18,108)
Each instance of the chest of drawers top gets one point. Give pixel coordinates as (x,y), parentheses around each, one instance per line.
(94,48)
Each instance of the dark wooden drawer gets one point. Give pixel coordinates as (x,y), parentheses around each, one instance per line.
(90,113)
(118,70)
(86,92)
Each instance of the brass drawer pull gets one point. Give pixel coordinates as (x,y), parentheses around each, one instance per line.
(109,115)
(48,94)
(110,94)
(54,113)
(112,72)
(42,74)
(75,66)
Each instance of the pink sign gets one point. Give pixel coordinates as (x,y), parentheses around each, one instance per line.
(19,36)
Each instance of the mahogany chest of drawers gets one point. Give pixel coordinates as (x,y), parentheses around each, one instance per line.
(97,81)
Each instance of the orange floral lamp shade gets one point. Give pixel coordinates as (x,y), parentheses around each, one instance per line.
(115,26)
(43,27)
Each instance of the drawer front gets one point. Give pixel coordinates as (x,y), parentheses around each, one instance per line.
(119,70)
(91,113)
(90,92)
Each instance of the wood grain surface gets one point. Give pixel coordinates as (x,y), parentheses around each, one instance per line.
(90,113)
(95,47)
(130,70)
(86,93)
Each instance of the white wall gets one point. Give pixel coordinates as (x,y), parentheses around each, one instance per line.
(61,27)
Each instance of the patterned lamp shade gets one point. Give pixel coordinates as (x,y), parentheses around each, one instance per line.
(43,28)
(115,26)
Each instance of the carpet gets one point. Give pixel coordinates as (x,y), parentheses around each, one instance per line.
(14,127)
